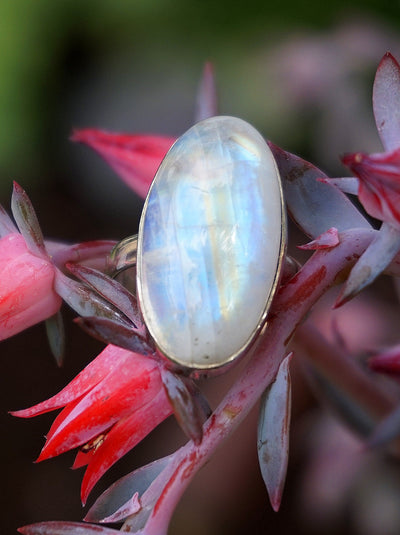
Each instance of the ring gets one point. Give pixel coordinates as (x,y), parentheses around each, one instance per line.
(211,243)
(123,256)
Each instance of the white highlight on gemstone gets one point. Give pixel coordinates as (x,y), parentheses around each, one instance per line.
(211,242)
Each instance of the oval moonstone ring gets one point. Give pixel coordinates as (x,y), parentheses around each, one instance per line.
(211,244)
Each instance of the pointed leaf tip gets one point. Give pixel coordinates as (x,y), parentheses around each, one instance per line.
(313,205)
(372,262)
(386,102)
(27,222)
(327,240)
(56,337)
(346,184)
(85,301)
(389,58)
(112,291)
(188,412)
(123,497)
(114,332)
(273,433)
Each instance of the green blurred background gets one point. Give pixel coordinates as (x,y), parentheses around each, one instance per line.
(301,72)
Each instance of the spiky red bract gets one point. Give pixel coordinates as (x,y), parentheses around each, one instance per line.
(379,189)
(135,158)
(108,408)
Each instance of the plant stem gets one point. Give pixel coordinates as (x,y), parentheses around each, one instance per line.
(291,304)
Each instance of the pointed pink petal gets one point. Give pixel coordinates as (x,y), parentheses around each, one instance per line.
(379,190)
(125,389)
(206,104)
(64,414)
(327,240)
(89,377)
(135,158)
(124,436)
(386,102)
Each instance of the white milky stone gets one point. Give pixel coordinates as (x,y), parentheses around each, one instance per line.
(211,242)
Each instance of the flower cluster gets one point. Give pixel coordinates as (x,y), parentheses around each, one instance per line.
(378,174)
(108,408)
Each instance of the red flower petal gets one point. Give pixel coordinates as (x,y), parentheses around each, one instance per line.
(82,458)
(124,436)
(89,377)
(327,240)
(379,190)
(64,414)
(123,390)
(135,158)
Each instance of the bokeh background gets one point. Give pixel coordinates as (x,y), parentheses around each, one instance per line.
(302,73)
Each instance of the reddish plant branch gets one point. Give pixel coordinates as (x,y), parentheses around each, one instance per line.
(344,370)
(324,269)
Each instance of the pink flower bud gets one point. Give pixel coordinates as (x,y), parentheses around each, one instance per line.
(379,189)
(26,289)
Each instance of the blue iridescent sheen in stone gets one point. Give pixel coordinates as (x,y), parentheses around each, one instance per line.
(210,243)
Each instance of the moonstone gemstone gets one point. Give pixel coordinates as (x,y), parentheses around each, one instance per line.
(211,241)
